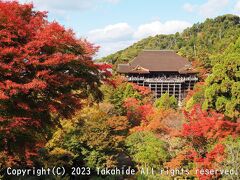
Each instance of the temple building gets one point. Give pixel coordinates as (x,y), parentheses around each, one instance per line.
(162,71)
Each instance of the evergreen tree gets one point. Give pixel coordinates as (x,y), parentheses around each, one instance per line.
(166,101)
(223,85)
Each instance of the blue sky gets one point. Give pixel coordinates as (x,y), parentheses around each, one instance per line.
(116,24)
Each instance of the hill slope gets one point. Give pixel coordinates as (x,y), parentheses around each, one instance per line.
(196,43)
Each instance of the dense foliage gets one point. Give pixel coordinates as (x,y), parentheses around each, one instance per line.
(44,72)
(166,101)
(146,149)
(93,136)
(223,85)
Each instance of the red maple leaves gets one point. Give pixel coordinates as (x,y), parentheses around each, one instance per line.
(211,126)
(205,130)
(44,72)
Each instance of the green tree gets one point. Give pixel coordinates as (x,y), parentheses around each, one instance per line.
(93,137)
(196,96)
(120,94)
(166,102)
(146,149)
(232,161)
(223,85)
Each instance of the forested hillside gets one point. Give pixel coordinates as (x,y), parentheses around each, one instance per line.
(196,43)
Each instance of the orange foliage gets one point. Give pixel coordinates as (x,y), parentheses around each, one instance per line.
(176,162)
(197,88)
(118,80)
(118,123)
(147,117)
(119,126)
(141,89)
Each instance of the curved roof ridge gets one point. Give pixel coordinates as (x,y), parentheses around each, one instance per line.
(157,61)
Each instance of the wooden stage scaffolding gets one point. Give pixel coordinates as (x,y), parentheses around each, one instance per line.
(162,71)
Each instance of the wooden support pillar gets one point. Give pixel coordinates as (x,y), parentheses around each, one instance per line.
(174,89)
(180,93)
(156,90)
(161,89)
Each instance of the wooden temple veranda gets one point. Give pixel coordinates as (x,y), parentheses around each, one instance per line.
(162,71)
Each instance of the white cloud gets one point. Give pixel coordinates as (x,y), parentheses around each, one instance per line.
(62,6)
(115,32)
(111,47)
(237,7)
(112,1)
(211,7)
(188,7)
(118,36)
(208,9)
(113,37)
(157,27)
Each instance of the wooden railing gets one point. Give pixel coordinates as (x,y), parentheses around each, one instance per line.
(163,79)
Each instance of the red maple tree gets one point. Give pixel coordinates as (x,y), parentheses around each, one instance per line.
(205,130)
(44,72)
